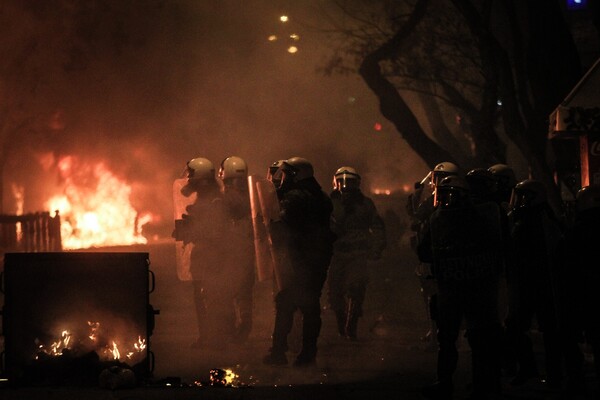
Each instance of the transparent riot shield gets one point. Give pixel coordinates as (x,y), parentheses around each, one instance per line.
(183,250)
(269,205)
(262,251)
(466,243)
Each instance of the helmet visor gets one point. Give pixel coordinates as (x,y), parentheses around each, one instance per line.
(277,177)
(447,197)
(522,198)
(438,176)
(345,183)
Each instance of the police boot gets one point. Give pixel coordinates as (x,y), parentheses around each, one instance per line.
(307,356)
(275,357)
(438,390)
(527,363)
(201,320)
(340,317)
(244,327)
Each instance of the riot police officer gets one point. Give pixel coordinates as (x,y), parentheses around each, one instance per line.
(233,174)
(535,236)
(420,205)
(307,239)
(580,281)
(463,243)
(360,237)
(504,181)
(199,229)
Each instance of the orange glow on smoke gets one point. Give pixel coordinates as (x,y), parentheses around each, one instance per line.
(95,207)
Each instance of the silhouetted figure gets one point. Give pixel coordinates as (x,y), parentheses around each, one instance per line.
(579,286)
(535,237)
(420,206)
(308,241)
(504,181)
(360,237)
(464,246)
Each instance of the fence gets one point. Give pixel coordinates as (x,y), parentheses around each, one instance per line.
(33,232)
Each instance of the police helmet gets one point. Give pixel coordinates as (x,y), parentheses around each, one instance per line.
(452,191)
(200,168)
(346,179)
(297,169)
(200,173)
(233,167)
(442,170)
(588,197)
(504,175)
(528,193)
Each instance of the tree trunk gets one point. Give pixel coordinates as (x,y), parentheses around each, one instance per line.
(392,105)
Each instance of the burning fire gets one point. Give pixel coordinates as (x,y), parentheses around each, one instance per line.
(223,377)
(106,349)
(95,208)
(57,347)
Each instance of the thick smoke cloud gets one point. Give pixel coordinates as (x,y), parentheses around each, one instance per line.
(148,85)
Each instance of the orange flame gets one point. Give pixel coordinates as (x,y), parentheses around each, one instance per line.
(115,351)
(93,330)
(95,207)
(56,348)
(106,351)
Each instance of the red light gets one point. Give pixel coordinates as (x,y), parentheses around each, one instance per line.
(377,126)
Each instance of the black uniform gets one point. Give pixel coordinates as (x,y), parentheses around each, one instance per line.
(579,284)
(308,241)
(535,237)
(360,237)
(464,244)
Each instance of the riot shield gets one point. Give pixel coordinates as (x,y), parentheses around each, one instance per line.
(262,251)
(466,243)
(183,250)
(269,205)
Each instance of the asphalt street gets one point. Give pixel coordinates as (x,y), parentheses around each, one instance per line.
(390,359)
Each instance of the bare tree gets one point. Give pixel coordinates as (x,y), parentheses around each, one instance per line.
(496,69)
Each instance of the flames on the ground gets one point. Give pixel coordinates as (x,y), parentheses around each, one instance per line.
(95,207)
(107,349)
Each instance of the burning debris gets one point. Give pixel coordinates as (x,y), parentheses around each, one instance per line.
(223,377)
(95,341)
(74,314)
(95,207)
(87,360)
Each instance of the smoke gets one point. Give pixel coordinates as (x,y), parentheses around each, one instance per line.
(147,85)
